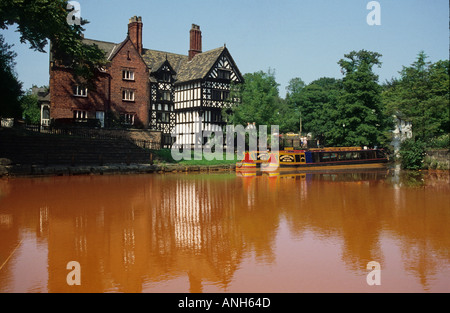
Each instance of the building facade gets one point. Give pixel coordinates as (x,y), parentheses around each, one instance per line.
(151,89)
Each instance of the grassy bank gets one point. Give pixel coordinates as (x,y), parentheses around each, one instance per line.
(196,158)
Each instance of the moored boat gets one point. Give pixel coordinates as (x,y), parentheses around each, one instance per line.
(313,159)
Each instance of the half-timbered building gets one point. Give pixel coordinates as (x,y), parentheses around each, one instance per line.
(157,90)
(201,91)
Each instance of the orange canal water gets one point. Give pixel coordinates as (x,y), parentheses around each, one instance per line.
(225,233)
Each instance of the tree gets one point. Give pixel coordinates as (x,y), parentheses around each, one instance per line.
(421,96)
(41,21)
(316,103)
(258,100)
(31,111)
(412,153)
(294,89)
(288,116)
(290,108)
(10,87)
(361,118)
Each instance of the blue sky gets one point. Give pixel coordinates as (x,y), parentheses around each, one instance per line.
(296,38)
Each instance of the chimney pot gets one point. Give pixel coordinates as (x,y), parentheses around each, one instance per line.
(195,45)
(135,32)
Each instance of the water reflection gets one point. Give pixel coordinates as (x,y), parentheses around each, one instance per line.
(202,233)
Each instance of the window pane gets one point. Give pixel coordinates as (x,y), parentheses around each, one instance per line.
(128,95)
(80,91)
(128,75)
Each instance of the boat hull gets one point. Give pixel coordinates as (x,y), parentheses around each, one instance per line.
(284,161)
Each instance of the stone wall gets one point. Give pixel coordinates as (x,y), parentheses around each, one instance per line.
(134,134)
(439,155)
(438,159)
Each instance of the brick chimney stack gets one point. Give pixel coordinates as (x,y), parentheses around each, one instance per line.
(135,32)
(195,41)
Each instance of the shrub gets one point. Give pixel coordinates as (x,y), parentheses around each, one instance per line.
(412,154)
(433,165)
(441,142)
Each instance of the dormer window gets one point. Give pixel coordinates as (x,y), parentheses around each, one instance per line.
(223,74)
(166,77)
(127,75)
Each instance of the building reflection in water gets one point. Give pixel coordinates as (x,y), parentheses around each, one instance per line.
(188,232)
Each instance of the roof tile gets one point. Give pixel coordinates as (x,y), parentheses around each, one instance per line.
(186,70)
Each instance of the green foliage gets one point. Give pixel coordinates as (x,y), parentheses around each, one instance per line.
(288,117)
(441,142)
(347,112)
(412,154)
(41,21)
(421,96)
(337,112)
(165,156)
(10,87)
(361,118)
(205,161)
(258,100)
(38,22)
(316,104)
(354,111)
(294,90)
(31,112)
(430,163)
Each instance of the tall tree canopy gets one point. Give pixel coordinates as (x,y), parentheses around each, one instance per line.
(421,96)
(29,102)
(361,118)
(258,100)
(259,103)
(316,105)
(10,87)
(41,21)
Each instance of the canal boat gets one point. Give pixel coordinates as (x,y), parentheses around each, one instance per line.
(313,159)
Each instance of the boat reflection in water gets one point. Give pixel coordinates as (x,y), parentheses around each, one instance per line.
(276,232)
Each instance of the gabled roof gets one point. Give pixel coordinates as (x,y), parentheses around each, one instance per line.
(42,93)
(108,47)
(199,66)
(186,70)
(155,59)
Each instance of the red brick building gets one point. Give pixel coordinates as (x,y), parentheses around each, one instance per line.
(147,88)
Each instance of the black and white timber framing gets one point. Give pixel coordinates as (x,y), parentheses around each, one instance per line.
(187,92)
(184,88)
